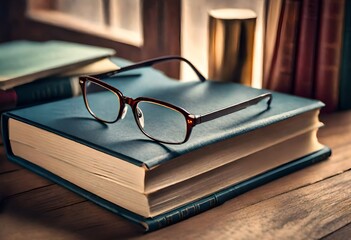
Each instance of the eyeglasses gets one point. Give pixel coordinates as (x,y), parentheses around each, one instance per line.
(161,121)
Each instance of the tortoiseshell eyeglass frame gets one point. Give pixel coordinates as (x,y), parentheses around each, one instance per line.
(191,119)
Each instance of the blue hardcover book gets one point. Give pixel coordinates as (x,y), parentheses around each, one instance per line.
(154,184)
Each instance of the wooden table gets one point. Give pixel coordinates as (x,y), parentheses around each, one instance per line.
(312,203)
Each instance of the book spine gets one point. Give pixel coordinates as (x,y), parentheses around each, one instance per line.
(44,90)
(329,53)
(306,52)
(282,70)
(8,99)
(219,198)
(345,71)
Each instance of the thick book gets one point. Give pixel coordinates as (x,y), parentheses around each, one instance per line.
(282,70)
(345,67)
(329,53)
(306,49)
(191,209)
(156,184)
(26,61)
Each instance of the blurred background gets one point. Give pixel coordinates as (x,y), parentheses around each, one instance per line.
(301,47)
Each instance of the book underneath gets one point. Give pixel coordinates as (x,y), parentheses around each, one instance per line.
(156,184)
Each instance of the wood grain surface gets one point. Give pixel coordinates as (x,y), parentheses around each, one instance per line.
(312,203)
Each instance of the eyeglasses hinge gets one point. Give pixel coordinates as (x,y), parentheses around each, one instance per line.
(196,119)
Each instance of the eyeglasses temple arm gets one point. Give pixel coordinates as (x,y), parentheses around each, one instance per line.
(149,63)
(234,108)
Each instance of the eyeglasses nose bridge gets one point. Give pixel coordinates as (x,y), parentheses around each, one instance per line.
(129,101)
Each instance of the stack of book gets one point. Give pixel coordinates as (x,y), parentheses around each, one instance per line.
(155,184)
(38,72)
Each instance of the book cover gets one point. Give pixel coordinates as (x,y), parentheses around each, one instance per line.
(306,49)
(197,97)
(26,61)
(345,71)
(70,119)
(281,77)
(329,53)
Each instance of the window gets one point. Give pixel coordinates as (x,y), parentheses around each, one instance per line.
(136,29)
(118,20)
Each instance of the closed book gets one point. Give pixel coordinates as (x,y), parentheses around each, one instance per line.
(51,88)
(156,184)
(26,61)
(40,91)
(329,53)
(345,67)
(281,77)
(306,49)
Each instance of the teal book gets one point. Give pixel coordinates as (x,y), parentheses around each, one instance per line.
(154,184)
(345,68)
(25,61)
